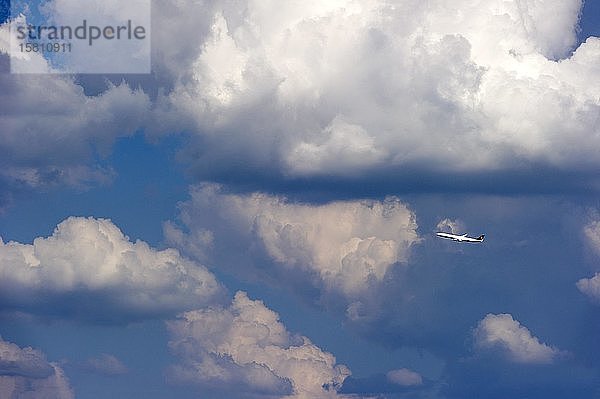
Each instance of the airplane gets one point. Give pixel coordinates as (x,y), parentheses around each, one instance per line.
(462,238)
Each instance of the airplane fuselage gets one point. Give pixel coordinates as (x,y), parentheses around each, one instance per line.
(460,238)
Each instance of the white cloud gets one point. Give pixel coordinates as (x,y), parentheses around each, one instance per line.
(246,345)
(26,374)
(352,86)
(592,235)
(343,148)
(404,377)
(455,226)
(591,286)
(104,56)
(87,269)
(93,271)
(504,333)
(50,130)
(30,61)
(347,88)
(345,246)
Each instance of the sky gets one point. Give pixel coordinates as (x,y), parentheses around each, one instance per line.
(256,217)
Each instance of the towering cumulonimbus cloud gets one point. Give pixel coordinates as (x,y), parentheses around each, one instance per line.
(245,345)
(88,269)
(345,247)
(450,87)
(454,87)
(25,373)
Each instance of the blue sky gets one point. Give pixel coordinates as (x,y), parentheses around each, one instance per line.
(256,217)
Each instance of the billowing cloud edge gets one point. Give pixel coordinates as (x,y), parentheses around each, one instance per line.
(246,345)
(88,269)
(25,373)
(503,333)
(342,248)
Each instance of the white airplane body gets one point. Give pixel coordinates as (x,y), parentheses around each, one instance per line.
(462,238)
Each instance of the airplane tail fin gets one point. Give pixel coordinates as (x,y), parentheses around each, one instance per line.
(481,237)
